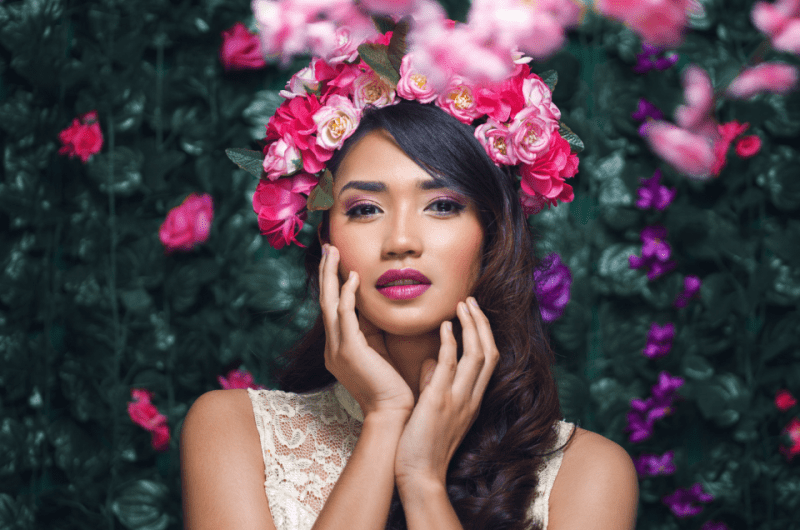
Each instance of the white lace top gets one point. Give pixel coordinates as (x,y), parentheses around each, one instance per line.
(307,439)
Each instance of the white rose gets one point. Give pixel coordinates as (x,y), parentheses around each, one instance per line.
(370,89)
(282,159)
(336,121)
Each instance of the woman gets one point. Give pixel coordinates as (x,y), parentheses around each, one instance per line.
(427,372)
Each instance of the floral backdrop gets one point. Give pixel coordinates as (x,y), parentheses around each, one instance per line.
(135,274)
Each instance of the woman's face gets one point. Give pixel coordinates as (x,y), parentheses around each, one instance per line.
(390,223)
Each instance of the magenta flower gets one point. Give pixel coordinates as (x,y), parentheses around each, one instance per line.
(143,413)
(681,502)
(774,77)
(553,280)
(238,379)
(187,224)
(654,58)
(653,195)
(691,285)
(646,110)
(650,465)
(655,253)
(659,340)
(665,390)
(240,50)
(780,22)
(644,413)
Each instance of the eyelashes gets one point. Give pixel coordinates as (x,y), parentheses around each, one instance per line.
(442,207)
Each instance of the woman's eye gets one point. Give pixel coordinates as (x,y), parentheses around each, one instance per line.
(362,210)
(446,206)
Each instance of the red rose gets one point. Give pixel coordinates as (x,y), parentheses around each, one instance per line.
(145,414)
(748,146)
(295,117)
(83,138)
(784,400)
(240,50)
(280,206)
(187,224)
(546,175)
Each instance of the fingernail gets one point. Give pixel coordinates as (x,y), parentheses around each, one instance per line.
(473,301)
(325,249)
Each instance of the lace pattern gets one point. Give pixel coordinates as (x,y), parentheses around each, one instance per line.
(306,440)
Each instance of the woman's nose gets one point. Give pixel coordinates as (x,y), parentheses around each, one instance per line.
(403,235)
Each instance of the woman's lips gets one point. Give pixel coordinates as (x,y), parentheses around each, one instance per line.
(415,283)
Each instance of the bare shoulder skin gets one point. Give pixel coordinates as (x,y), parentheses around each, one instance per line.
(222,468)
(596,488)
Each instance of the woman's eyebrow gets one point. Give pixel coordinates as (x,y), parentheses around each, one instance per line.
(364,185)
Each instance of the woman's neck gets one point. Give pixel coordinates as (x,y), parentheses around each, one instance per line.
(408,353)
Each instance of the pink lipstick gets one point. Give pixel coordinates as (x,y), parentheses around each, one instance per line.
(402,284)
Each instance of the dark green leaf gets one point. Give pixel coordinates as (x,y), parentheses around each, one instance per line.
(397,46)
(550,79)
(321,197)
(377,57)
(250,161)
(383,23)
(575,143)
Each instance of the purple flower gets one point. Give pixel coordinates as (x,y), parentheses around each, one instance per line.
(653,195)
(664,391)
(553,281)
(680,502)
(649,465)
(646,110)
(713,525)
(654,58)
(644,413)
(655,253)
(659,340)
(691,284)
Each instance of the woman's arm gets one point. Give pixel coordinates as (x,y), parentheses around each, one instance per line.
(222,466)
(361,497)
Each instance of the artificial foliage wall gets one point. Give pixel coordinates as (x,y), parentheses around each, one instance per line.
(133,277)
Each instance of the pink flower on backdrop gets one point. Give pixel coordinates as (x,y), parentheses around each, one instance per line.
(727,133)
(698,93)
(414,85)
(691,285)
(659,340)
(780,22)
(682,501)
(83,138)
(546,175)
(143,413)
(240,50)
(689,153)
(295,118)
(495,138)
(458,99)
(279,206)
(748,146)
(654,58)
(643,415)
(238,379)
(792,431)
(775,78)
(650,465)
(659,22)
(282,158)
(188,224)
(784,400)
(653,195)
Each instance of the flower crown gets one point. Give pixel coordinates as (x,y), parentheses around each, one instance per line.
(515,121)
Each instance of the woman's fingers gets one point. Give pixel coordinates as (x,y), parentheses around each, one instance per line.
(490,353)
(329,294)
(448,360)
(473,356)
(346,311)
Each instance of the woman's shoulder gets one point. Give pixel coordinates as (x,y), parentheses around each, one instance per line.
(597,478)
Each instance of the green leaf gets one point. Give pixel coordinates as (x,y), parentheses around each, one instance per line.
(397,46)
(321,197)
(383,23)
(575,143)
(550,79)
(250,161)
(377,57)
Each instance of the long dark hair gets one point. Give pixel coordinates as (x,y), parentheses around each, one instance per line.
(493,474)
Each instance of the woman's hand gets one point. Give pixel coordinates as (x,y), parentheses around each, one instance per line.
(449,401)
(355,352)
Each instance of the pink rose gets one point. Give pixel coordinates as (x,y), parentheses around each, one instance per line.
(346,49)
(689,153)
(503,101)
(302,82)
(279,206)
(698,93)
(780,22)
(390,7)
(238,379)
(776,78)
(187,224)
(143,413)
(282,158)
(83,138)
(458,100)
(546,175)
(240,50)
(748,146)
(726,133)
(295,117)
(414,85)
(530,133)
(532,204)
(370,89)
(536,93)
(496,140)
(659,22)
(337,79)
(336,121)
